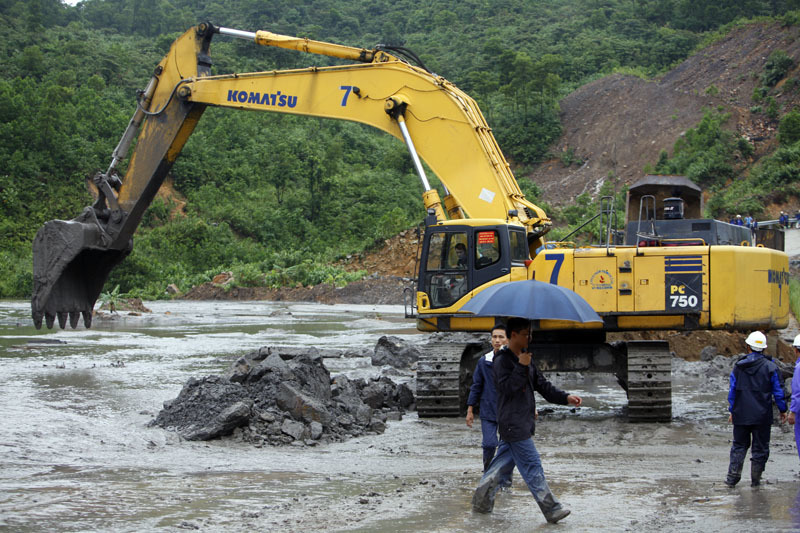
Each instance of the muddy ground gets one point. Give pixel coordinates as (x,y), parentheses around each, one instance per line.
(77,453)
(615,476)
(379,290)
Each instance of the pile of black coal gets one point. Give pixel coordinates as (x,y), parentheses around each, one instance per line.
(283,398)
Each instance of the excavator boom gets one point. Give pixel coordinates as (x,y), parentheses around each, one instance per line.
(439,123)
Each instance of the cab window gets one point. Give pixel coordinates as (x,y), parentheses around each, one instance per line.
(447,250)
(487,248)
(519,246)
(446,268)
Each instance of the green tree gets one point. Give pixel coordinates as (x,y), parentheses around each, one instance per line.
(777,65)
(789,128)
(704,154)
(32,61)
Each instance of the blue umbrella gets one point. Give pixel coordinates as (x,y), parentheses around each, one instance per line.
(533,300)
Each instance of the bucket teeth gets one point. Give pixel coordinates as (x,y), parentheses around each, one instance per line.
(37,320)
(70,265)
(87,318)
(49,319)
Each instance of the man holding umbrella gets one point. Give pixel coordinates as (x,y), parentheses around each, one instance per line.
(516,379)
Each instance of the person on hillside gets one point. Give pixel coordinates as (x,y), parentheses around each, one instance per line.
(783,220)
(754,382)
(516,379)
(738,221)
(483,394)
(794,406)
(754,232)
(797,219)
(748,222)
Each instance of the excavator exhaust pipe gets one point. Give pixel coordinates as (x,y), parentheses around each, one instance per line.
(70,267)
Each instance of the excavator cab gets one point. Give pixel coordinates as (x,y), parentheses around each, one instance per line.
(458,257)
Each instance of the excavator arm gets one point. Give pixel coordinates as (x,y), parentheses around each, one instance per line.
(439,123)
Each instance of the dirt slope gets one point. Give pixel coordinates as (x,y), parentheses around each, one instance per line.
(393,257)
(621,123)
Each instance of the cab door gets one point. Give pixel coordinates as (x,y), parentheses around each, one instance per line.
(445,265)
(490,254)
(457,259)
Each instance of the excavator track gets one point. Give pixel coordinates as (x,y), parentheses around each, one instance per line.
(649,381)
(438,380)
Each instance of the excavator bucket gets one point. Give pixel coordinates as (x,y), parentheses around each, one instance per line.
(70,267)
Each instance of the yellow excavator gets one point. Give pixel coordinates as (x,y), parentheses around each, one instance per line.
(483,232)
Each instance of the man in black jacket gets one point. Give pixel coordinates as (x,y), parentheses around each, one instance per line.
(516,379)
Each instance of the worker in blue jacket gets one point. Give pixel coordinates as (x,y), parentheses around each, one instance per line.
(483,394)
(754,382)
(794,405)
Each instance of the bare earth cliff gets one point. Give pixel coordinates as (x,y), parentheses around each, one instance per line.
(621,123)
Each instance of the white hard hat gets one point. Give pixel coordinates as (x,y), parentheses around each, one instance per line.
(796,342)
(756,341)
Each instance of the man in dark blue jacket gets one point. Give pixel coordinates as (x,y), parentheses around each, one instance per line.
(516,380)
(483,394)
(755,380)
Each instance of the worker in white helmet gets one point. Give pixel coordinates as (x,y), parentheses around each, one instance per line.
(794,406)
(755,381)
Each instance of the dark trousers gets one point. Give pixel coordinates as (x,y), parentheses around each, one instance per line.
(489,441)
(746,436)
(525,457)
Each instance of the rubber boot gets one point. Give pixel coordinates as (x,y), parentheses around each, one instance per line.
(488,455)
(734,474)
(483,499)
(756,470)
(552,509)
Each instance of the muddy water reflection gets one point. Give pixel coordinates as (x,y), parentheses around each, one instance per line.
(76,455)
(75,452)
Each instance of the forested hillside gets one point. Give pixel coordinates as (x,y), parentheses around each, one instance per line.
(277,198)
